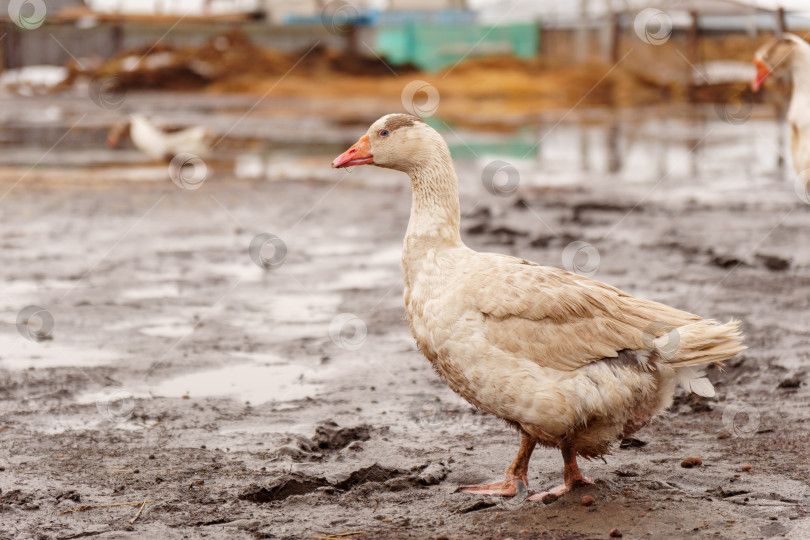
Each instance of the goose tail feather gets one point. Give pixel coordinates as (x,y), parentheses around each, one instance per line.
(696,344)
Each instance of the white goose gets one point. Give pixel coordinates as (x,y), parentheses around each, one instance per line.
(792,54)
(161,144)
(568,361)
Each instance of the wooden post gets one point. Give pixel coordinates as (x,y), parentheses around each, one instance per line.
(693,52)
(694,31)
(117,31)
(582,34)
(616,38)
(352,38)
(781,25)
(3,47)
(11,44)
(540,41)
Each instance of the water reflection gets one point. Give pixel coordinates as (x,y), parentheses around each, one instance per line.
(636,146)
(559,148)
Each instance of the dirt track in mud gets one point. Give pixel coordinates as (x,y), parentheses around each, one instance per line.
(181,373)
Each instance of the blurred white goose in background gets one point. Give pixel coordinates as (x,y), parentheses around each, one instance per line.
(790,53)
(568,361)
(159,143)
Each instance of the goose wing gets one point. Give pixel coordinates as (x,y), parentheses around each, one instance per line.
(563,320)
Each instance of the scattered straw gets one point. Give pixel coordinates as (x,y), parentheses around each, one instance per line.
(338,535)
(90,507)
(131,521)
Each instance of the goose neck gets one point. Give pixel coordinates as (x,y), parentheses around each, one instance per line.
(800,68)
(435,216)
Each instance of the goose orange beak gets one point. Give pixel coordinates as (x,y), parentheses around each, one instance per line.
(762,73)
(358,154)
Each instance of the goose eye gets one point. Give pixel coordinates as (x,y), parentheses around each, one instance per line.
(383,133)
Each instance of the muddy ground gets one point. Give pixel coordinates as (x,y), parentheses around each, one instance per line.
(290,401)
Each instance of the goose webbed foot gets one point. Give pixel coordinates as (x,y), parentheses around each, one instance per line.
(573,478)
(558,491)
(516,475)
(505,488)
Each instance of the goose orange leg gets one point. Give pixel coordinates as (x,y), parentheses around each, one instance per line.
(516,474)
(571,476)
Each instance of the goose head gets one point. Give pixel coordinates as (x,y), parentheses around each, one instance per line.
(775,57)
(396,141)
(116,133)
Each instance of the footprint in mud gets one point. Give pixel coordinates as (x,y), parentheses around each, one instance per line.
(389,479)
(329,437)
(301,484)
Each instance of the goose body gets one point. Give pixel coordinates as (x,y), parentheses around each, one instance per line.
(160,144)
(570,362)
(790,53)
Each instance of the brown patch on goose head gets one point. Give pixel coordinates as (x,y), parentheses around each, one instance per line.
(396,121)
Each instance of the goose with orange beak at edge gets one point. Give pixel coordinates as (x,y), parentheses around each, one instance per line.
(567,361)
(789,53)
